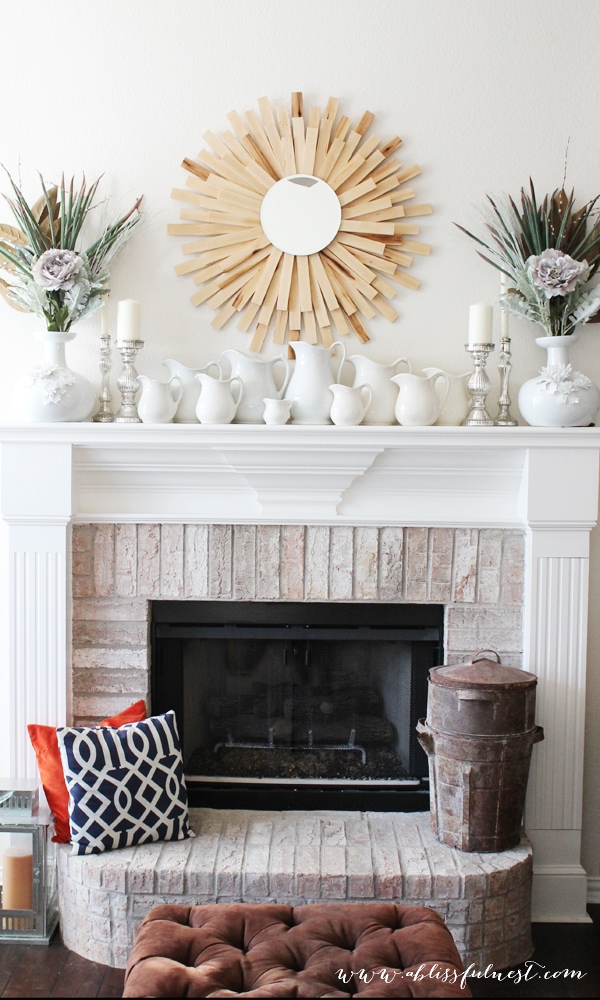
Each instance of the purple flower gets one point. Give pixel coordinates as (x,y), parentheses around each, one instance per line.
(556,273)
(55,270)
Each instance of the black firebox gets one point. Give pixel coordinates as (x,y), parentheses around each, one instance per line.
(298,705)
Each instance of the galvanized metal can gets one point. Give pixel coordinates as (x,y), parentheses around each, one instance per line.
(478,736)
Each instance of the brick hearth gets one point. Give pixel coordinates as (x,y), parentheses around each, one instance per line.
(299,857)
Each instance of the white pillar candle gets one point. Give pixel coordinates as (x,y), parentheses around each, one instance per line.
(503,315)
(480,324)
(128,320)
(104,328)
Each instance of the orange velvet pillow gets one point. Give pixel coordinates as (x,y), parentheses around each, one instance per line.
(45,744)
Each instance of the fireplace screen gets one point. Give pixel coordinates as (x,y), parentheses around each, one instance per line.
(325,696)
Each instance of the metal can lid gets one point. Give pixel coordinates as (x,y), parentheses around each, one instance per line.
(482,672)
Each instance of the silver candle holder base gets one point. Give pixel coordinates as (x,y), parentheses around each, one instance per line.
(504,418)
(479,386)
(128,382)
(105,414)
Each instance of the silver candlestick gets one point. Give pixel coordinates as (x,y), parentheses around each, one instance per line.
(504,418)
(479,386)
(128,382)
(105,413)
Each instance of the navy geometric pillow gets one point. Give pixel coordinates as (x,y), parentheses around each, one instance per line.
(126,785)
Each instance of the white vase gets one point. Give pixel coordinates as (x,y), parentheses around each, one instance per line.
(558,396)
(52,392)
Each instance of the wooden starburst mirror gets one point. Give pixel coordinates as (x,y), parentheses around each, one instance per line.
(302,226)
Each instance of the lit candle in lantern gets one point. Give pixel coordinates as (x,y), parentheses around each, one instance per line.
(480,324)
(128,320)
(17,879)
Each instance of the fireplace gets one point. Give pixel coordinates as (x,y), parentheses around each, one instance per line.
(298,705)
(310,514)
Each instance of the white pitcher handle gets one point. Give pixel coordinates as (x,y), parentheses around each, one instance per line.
(405,361)
(370,395)
(241,389)
(338,343)
(446,379)
(213,364)
(286,378)
(177,380)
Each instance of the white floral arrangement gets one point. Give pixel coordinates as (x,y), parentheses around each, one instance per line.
(43,269)
(548,252)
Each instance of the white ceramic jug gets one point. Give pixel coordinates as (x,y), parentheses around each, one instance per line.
(417,404)
(309,391)
(217,403)
(159,400)
(257,374)
(277,411)
(458,401)
(186,411)
(350,403)
(385,393)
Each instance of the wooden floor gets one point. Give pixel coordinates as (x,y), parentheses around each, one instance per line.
(38,971)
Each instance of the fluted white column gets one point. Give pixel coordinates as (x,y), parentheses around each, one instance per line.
(35,505)
(560,518)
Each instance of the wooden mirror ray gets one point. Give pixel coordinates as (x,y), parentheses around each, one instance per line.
(319,295)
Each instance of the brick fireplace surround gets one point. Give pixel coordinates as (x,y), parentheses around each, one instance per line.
(492,523)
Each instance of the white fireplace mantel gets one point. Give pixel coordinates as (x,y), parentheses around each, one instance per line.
(300,474)
(543,480)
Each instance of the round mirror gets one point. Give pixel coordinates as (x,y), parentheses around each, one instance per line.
(300,214)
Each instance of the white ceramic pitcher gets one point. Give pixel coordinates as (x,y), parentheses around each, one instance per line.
(418,404)
(277,411)
(258,377)
(458,401)
(350,403)
(159,400)
(385,393)
(217,403)
(186,411)
(309,391)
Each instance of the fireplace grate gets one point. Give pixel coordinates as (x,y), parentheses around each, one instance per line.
(297,698)
(310,747)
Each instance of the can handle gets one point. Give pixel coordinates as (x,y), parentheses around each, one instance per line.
(425,737)
(471,695)
(480,651)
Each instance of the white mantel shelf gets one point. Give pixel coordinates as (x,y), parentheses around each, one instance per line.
(541,480)
(248,473)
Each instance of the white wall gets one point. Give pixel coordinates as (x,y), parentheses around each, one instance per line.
(484,94)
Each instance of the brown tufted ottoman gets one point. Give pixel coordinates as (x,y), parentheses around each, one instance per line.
(268,950)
